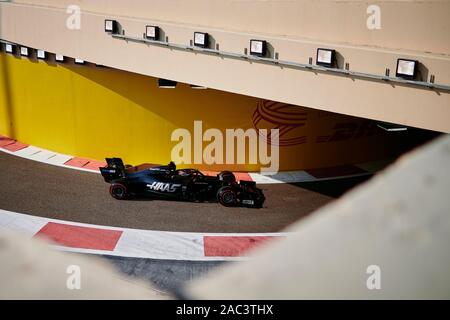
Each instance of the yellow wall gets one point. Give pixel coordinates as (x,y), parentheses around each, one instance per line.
(96,112)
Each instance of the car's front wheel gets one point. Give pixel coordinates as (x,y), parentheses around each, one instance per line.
(118,191)
(227,197)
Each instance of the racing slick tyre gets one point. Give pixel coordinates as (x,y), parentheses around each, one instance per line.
(118,191)
(227,176)
(227,197)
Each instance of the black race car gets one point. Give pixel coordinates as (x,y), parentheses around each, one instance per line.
(168,182)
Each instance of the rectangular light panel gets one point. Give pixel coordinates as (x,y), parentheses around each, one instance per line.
(24,51)
(325,57)
(258,47)
(110,26)
(406,68)
(9,48)
(152,32)
(166,84)
(193,86)
(200,39)
(40,54)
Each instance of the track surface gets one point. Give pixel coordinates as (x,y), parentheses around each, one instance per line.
(54,192)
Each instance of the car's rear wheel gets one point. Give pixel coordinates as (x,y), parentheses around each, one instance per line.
(227,197)
(118,191)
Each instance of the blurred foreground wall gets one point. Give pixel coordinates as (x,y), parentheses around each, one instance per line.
(395,227)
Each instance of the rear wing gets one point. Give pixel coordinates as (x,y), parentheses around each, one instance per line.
(114,169)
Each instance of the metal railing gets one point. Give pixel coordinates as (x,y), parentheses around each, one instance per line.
(284,63)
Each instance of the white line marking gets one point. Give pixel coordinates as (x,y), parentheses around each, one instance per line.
(54,158)
(136,243)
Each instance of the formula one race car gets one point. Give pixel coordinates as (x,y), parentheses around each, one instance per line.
(166,182)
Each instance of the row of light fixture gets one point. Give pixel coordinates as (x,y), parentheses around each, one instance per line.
(201,39)
(40,54)
(406,68)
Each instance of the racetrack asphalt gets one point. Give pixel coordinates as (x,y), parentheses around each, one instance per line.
(40,189)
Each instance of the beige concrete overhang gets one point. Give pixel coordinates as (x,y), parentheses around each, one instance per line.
(339,25)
